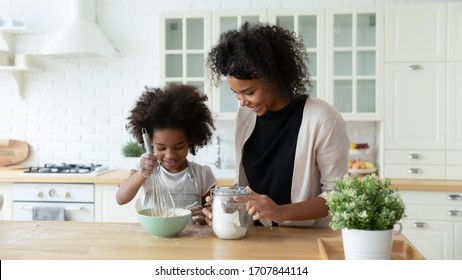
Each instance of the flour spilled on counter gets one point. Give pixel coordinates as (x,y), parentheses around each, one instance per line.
(191,232)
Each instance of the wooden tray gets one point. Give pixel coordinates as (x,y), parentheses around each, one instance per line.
(13,151)
(332,249)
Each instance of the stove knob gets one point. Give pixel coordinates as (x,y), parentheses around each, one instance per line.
(39,194)
(52,193)
(67,195)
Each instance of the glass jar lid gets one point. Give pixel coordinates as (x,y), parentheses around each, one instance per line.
(230,191)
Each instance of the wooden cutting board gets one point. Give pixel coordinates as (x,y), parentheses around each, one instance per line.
(13,151)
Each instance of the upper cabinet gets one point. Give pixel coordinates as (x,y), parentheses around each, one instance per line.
(309,25)
(354,62)
(346,46)
(422,124)
(455,31)
(223,98)
(415,106)
(185,41)
(415,32)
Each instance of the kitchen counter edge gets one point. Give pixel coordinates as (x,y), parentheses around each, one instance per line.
(116,176)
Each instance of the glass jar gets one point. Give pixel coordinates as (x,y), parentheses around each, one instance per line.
(230,218)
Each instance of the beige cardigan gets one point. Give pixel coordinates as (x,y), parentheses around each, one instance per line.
(320,157)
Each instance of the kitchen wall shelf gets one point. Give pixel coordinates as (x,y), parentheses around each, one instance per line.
(6,45)
(17,74)
(360,151)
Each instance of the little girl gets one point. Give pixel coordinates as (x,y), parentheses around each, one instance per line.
(178,121)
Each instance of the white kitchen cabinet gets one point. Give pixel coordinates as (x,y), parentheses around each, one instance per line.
(415,164)
(415,120)
(185,39)
(419,232)
(458,240)
(354,60)
(434,216)
(6,211)
(107,209)
(415,32)
(6,50)
(225,104)
(454,120)
(415,106)
(454,31)
(309,25)
(345,43)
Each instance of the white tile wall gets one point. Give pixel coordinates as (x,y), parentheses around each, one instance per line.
(75,109)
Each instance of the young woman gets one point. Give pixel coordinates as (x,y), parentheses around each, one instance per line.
(178,123)
(289,147)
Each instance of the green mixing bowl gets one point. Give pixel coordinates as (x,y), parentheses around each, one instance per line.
(164,226)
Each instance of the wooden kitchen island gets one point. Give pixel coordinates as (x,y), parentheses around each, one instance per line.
(51,240)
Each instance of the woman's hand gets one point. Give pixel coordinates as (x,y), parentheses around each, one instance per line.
(260,206)
(147,164)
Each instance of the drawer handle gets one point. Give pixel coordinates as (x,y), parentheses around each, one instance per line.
(454,213)
(66,208)
(420,225)
(415,156)
(415,170)
(415,67)
(454,197)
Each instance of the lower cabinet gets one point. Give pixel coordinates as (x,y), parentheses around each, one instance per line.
(5,211)
(107,209)
(434,223)
(431,238)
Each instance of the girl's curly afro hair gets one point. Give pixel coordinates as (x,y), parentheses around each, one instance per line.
(177,106)
(262,51)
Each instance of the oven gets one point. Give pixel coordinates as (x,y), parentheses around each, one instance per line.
(56,201)
(53,201)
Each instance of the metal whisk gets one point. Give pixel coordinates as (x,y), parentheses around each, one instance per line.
(163,204)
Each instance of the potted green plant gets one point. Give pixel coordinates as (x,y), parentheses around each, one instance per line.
(368,209)
(132,149)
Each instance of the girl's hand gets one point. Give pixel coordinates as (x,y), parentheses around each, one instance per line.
(197,216)
(148,162)
(207,211)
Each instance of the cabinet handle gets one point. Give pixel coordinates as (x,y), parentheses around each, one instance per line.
(454,213)
(415,170)
(454,197)
(415,156)
(77,208)
(414,67)
(420,225)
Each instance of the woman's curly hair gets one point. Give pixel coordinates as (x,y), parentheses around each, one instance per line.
(176,106)
(262,51)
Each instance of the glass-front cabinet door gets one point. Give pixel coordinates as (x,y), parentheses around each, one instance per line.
(353,62)
(309,25)
(186,39)
(225,104)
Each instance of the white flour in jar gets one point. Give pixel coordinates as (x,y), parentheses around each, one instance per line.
(228,226)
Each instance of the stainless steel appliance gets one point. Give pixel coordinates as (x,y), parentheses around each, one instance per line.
(76,200)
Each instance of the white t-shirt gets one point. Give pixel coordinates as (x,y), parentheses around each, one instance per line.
(186,186)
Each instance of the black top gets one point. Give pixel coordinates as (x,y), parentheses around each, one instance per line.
(269,153)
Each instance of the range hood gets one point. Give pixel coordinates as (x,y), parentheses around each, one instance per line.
(81,36)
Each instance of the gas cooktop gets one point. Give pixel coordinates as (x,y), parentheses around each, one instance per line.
(68,169)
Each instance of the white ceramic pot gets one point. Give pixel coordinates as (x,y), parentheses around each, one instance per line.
(368,244)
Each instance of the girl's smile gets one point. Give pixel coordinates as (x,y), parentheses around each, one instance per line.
(171,148)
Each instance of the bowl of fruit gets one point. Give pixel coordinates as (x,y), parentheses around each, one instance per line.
(358,167)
